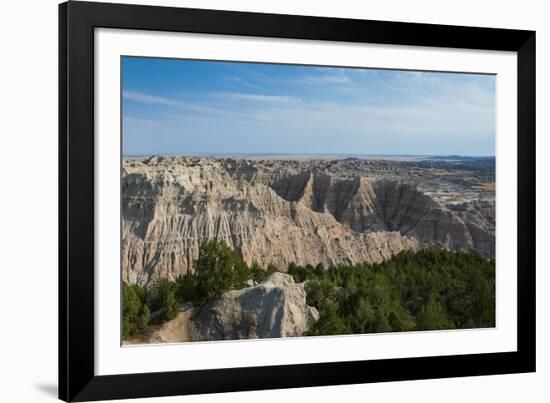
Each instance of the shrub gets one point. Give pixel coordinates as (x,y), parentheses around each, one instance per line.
(433,316)
(217,269)
(163,297)
(135,313)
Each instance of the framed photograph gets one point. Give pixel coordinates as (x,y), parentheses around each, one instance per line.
(257,201)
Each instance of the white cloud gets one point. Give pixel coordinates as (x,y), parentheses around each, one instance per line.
(148,99)
(326,79)
(284,99)
(246,83)
(156,100)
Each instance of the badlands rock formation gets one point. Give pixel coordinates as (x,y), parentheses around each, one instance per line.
(280,212)
(276,307)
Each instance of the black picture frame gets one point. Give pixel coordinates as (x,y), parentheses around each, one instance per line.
(77,21)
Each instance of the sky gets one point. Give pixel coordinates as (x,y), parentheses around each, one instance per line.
(173,106)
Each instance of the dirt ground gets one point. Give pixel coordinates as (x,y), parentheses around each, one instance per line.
(178,330)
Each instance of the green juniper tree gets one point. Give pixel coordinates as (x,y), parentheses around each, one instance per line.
(135,313)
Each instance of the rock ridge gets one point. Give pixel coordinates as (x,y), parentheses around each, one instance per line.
(281,215)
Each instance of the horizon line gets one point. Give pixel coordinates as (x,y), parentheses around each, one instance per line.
(198,154)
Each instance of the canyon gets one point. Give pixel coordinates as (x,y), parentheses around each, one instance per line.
(281,210)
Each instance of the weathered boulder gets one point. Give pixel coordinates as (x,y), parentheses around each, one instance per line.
(276,307)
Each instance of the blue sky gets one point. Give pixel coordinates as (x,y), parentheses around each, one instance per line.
(189,107)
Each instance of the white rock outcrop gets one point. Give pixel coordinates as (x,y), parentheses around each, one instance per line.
(276,307)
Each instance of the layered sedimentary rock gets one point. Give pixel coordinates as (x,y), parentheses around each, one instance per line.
(276,307)
(281,213)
